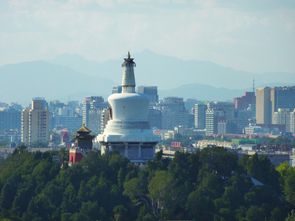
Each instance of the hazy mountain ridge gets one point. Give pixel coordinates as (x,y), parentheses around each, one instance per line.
(169,72)
(20,82)
(72,77)
(202,92)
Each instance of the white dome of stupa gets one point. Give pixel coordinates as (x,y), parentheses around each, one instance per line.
(129,112)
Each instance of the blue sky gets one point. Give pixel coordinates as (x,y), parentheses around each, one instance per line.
(251,35)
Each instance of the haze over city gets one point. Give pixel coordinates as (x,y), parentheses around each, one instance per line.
(230,43)
(141,110)
(256,36)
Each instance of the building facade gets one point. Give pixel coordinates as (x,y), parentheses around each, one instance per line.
(35,124)
(263,106)
(282,117)
(200,116)
(282,97)
(91,103)
(292,121)
(243,102)
(174,113)
(151,92)
(211,120)
(91,112)
(10,119)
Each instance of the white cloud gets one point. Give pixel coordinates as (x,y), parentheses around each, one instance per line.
(192,29)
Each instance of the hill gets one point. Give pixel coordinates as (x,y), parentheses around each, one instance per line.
(20,82)
(169,72)
(202,92)
(73,77)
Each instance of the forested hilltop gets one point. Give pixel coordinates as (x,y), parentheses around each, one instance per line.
(212,184)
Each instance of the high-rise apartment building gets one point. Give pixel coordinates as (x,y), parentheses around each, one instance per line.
(65,115)
(282,97)
(174,113)
(263,106)
(200,116)
(292,121)
(211,120)
(10,118)
(151,92)
(243,119)
(221,127)
(155,118)
(282,117)
(94,121)
(35,123)
(90,105)
(154,115)
(243,102)
(270,100)
(220,118)
(227,109)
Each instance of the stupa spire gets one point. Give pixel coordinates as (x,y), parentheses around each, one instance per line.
(128,79)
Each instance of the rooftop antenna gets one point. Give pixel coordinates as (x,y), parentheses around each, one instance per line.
(253,85)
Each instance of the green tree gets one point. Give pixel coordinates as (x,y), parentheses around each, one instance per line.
(289,187)
(120,213)
(134,190)
(159,189)
(255,213)
(263,170)
(8,191)
(291,216)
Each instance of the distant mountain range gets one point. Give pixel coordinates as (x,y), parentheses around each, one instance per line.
(20,82)
(202,92)
(73,77)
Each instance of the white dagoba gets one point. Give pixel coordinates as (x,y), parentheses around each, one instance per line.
(128,130)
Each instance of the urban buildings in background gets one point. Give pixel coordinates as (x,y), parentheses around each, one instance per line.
(271,110)
(275,108)
(135,119)
(263,106)
(151,92)
(92,111)
(174,113)
(35,124)
(65,115)
(10,123)
(200,116)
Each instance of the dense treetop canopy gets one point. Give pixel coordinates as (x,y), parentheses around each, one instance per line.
(212,184)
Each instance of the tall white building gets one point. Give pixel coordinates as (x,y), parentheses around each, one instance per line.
(35,124)
(292,122)
(282,117)
(211,120)
(128,131)
(90,113)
